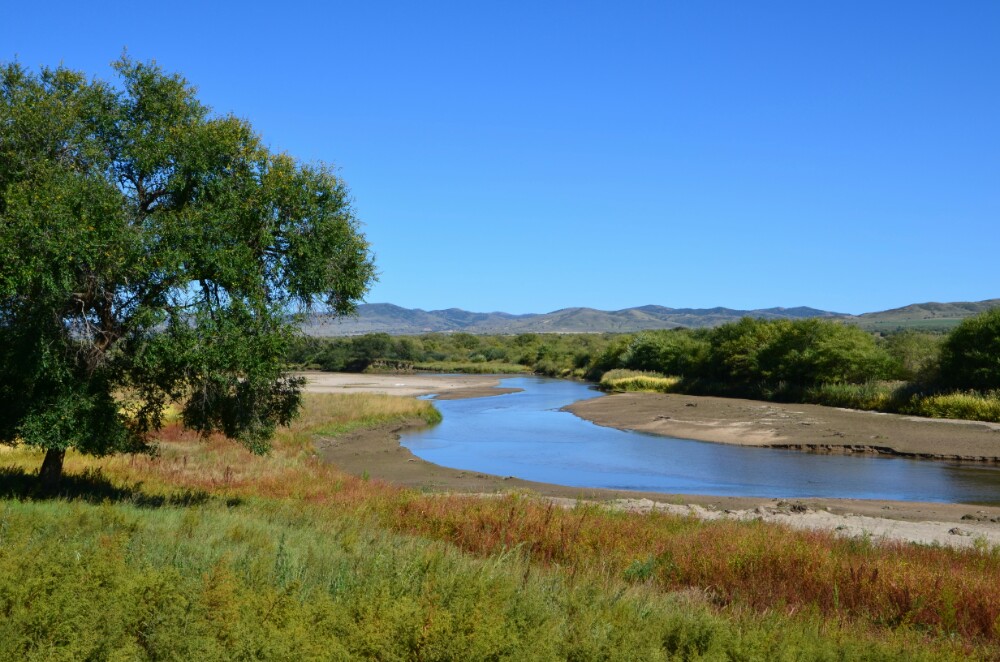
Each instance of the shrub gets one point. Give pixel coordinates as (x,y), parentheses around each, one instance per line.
(970,405)
(914,355)
(970,357)
(633,380)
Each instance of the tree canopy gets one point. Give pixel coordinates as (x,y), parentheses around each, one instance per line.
(970,357)
(154,252)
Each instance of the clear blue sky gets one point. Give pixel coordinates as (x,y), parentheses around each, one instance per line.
(529,156)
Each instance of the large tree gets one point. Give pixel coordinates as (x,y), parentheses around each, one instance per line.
(153,252)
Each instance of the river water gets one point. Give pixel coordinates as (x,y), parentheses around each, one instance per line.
(526,436)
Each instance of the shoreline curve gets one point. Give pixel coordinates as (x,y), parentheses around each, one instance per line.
(378,454)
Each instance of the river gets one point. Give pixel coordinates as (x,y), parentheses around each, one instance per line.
(525,435)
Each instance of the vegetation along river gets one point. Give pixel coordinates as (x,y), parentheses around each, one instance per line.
(525,435)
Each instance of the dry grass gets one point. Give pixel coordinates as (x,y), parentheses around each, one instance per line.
(622,381)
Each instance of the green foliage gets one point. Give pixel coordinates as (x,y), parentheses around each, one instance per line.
(816,361)
(915,355)
(550,354)
(675,352)
(474,368)
(873,396)
(812,351)
(753,356)
(970,357)
(812,360)
(968,406)
(736,348)
(150,252)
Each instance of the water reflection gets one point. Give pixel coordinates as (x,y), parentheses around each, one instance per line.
(525,435)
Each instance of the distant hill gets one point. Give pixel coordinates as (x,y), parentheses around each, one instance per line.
(928,316)
(388,318)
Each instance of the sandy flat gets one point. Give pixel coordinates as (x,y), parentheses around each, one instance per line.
(804,427)
(444,386)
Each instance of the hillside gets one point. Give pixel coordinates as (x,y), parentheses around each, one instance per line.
(926,316)
(388,318)
(395,320)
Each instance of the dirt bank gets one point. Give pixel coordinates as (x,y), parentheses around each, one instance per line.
(802,427)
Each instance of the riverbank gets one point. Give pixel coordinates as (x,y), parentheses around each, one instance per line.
(794,426)
(376,453)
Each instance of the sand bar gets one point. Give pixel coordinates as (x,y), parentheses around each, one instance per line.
(445,387)
(802,427)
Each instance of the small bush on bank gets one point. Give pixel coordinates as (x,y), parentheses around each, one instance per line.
(969,405)
(874,396)
(905,398)
(634,380)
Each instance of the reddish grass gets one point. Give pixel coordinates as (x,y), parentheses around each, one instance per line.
(760,566)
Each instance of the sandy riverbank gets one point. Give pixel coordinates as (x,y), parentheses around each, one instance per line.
(803,427)
(378,453)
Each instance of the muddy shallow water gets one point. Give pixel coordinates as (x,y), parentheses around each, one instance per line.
(525,435)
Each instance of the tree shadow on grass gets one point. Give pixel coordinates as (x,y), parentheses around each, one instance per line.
(92,486)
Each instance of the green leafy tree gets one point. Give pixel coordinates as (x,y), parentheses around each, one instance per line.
(678,352)
(914,354)
(970,357)
(152,252)
(814,351)
(737,348)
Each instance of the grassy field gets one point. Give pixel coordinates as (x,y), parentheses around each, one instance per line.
(933,325)
(208,552)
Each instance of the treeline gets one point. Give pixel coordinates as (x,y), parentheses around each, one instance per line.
(823,362)
(757,358)
(556,355)
(955,375)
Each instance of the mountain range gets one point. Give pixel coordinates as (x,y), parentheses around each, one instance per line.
(395,320)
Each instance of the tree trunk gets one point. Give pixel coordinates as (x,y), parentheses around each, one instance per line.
(51,470)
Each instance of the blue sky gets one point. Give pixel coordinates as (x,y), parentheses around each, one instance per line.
(530,156)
